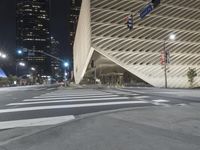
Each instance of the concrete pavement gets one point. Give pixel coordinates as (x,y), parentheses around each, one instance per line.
(151,128)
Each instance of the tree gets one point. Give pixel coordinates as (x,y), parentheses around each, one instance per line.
(3,82)
(11,79)
(191,74)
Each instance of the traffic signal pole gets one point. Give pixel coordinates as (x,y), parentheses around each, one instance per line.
(49,55)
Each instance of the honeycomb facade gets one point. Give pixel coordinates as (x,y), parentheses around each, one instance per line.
(102,29)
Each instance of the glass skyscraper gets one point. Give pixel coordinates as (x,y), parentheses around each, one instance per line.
(33,33)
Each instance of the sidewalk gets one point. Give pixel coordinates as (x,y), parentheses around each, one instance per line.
(150,128)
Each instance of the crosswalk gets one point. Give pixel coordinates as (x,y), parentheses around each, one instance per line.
(63,105)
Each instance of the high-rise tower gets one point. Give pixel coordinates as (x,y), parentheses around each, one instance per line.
(74,15)
(32,20)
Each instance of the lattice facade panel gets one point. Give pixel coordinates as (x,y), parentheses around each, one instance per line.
(139,50)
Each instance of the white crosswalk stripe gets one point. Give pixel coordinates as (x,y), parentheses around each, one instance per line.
(65,100)
(161,102)
(72,97)
(141,97)
(76,96)
(35,122)
(70,106)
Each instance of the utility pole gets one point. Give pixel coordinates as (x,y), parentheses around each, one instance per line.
(165,63)
(95,74)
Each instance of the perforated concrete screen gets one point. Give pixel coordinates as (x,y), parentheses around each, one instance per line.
(102,28)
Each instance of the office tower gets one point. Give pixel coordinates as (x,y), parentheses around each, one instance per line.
(33,33)
(55,63)
(74,15)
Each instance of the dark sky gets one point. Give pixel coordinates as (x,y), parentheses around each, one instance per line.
(59,25)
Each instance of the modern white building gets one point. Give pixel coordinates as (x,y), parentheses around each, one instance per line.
(103,37)
(2,74)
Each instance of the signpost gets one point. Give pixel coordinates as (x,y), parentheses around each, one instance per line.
(146,10)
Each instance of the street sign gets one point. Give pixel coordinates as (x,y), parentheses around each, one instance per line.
(146,10)
(31,54)
(25,50)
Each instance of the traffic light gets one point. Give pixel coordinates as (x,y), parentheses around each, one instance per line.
(155,3)
(129,22)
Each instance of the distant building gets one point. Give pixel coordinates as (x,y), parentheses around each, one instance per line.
(55,64)
(74,15)
(33,33)
(2,74)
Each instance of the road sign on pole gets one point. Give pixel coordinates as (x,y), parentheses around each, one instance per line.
(25,50)
(146,10)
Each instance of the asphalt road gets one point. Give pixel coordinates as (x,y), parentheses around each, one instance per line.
(47,105)
(15,94)
(36,117)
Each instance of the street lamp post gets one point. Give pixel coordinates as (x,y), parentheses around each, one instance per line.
(33,69)
(66,66)
(2,55)
(165,64)
(22,64)
(19,52)
(172,37)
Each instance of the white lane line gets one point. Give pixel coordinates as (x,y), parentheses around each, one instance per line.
(35,122)
(73,97)
(133,91)
(140,97)
(132,94)
(54,94)
(125,93)
(65,101)
(70,106)
(76,99)
(70,95)
(74,92)
(68,98)
(160,101)
(51,89)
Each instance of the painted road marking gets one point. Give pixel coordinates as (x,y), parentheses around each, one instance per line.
(65,101)
(70,106)
(69,98)
(141,97)
(71,95)
(74,97)
(35,122)
(161,101)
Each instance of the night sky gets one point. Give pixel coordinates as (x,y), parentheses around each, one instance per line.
(59,25)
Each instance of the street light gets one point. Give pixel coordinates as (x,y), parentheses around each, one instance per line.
(19,51)
(66,66)
(2,55)
(171,37)
(22,64)
(33,69)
